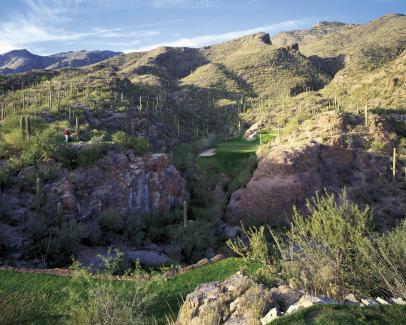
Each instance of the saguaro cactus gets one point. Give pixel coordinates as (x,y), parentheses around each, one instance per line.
(394,158)
(59,215)
(185,214)
(38,193)
(27,127)
(366,114)
(77,128)
(22,125)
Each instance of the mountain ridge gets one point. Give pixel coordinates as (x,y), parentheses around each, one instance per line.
(22,60)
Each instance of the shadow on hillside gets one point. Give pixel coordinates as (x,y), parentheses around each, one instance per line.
(279,184)
(330,65)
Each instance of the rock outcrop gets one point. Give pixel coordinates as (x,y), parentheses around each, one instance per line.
(237,300)
(240,299)
(121,181)
(329,152)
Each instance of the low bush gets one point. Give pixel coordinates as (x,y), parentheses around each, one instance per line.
(332,251)
(195,239)
(105,301)
(97,136)
(110,221)
(52,245)
(6,179)
(321,250)
(386,258)
(90,153)
(124,140)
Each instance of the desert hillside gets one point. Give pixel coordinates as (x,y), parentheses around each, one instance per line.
(160,167)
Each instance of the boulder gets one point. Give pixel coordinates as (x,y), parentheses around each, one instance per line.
(307,301)
(398,301)
(368,302)
(270,316)
(382,301)
(146,258)
(238,299)
(253,131)
(217,257)
(351,300)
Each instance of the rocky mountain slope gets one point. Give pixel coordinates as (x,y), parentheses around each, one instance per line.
(126,183)
(329,152)
(305,37)
(312,95)
(22,60)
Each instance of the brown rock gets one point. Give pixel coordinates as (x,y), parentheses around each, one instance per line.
(330,151)
(216,258)
(123,182)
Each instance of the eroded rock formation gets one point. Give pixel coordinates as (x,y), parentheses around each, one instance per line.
(330,151)
(121,181)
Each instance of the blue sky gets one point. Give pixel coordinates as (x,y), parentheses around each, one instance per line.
(52,26)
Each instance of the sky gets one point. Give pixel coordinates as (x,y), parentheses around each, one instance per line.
(51,26)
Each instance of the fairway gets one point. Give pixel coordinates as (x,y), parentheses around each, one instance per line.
(241,146)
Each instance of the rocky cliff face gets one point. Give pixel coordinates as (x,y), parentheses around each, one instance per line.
(330,152)
(121,181)
(318,31)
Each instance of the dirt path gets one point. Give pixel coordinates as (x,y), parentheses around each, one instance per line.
(68,272)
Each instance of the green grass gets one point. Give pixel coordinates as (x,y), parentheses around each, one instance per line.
(29,298)
(242,146)
(346,315)
(230,154)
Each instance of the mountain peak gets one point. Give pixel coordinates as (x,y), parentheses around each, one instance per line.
(261,36)
(324,23)
(19,52)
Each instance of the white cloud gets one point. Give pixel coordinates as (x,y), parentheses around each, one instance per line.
(186,4)
(43,21)
(203,40)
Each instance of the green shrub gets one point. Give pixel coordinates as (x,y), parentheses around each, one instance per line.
(136,230)
(110,221)
(194,241)
(386,257)
(321,250)
(97,136)
(52,245)
(105,302)
(90,153)
(41,147)
(125,141)
(6,179)
(65,245)
(253,246)
(67,156)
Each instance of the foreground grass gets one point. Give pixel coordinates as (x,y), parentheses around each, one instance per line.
(30,298)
